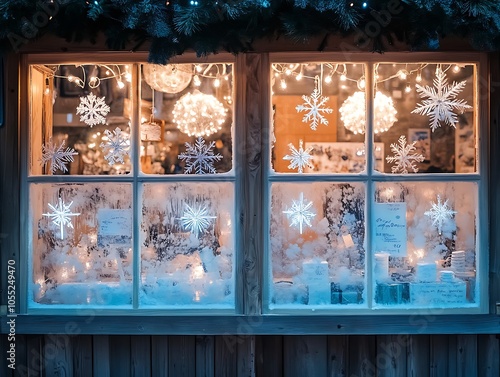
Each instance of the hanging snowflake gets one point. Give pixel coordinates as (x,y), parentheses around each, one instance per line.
(441,101)
(61,215)
(299,213)
(196,219)
(200,157)
(440,213)
(314,107)
(403,157)
(92,110)
(299,158)
(57,155)
(116,147)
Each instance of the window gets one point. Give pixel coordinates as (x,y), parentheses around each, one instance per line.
(397,225)
(131,186)
(373,185)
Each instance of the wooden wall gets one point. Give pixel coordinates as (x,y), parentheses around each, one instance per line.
(233,356)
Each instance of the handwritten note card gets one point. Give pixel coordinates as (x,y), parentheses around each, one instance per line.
(115,222)
(390,228)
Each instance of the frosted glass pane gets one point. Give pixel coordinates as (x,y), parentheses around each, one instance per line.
(435,131)
(317,251)
(186,111)
(425,245)
(80,119)
(187,256)
(81,255)
(319,116)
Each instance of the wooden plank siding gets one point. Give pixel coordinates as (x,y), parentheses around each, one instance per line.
(272,356)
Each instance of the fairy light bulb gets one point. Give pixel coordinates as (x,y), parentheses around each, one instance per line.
(283,84)
(407,89)
(402,75)
(71,78)
(298,77)
(343,77)
(128,77)
(196,80)
(328,79)
(217,83)
(288,72)
(120,84)
(456,69)
(361,83)
(199,68)
(419,77)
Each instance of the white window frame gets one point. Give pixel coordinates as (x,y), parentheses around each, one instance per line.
(481,95)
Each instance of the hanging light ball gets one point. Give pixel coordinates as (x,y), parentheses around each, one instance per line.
(353,113)
(150,131)
(170,78)
(198,114)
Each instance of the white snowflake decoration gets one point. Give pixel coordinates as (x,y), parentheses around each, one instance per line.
(117,146)
(403,157)
(440,213)
(61,215)
(314,107)
(441,101)
(200,157)
(57,155)
(196,219)
(299,213)
(299,158)
(92,110)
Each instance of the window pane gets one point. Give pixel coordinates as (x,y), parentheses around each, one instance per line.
(186,113)
(319,115)
(80,119)
(425,244)
(82,244)
(435,131)
(188,245)
(317,244)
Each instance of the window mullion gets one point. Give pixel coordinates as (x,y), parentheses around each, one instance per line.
(369,94)
(136,206)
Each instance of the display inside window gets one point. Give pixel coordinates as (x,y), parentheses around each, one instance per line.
(435,131)
(317,251)
(187,256)
(319,117)
(425,244)
(80,119)
(186,118)
(82,244)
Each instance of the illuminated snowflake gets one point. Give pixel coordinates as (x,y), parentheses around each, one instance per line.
(57,156)
(92,110)
(403,157)
(116,147)
(441,101)
(61,215)
(299,158)
(200,157)
(440,213)
(314,107)
(196,219)
(299,213)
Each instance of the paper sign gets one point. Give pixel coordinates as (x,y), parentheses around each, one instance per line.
(438,293)
(115,222)
(390,228)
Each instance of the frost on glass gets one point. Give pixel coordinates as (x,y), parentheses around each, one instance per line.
(81,255)
(187,245)
(322,265)
(435,131)
(80,119)
(186,118)
(425,244)
(318,117)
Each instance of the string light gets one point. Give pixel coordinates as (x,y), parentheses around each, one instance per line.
(456,69)
(408,88)
(328,79)
(343,77)
(419,77)
(217,83)
(402,74)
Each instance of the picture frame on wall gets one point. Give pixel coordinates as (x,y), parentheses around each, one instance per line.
(422,139)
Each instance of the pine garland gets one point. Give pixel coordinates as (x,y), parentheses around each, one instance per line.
(208,26)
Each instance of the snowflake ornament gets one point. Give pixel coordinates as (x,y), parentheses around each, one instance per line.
(440,213)
(299,158)
(441,101)
(403,157)
(117,146)
(314,107)
(299,213)
(196,219)
(57,156)
(61,215)
(92,110)
(200,157)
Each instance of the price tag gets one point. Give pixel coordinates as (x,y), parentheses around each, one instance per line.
(390,228)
